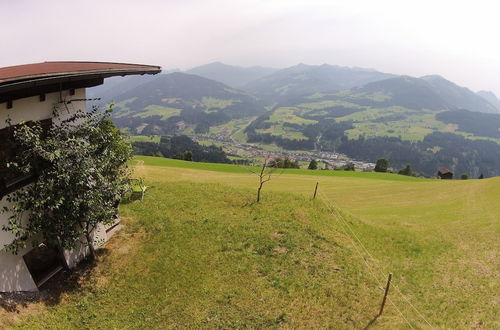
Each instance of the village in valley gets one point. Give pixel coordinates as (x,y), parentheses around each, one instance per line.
(255,152)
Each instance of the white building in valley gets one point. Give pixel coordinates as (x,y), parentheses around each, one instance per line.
(30,93)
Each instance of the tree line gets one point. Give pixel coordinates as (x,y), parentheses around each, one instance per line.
(181,147)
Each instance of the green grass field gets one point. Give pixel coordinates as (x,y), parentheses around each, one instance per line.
(144,138)
(214,103)
(198,253)
(153,110)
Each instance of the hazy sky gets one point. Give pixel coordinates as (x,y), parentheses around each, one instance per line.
(456,39)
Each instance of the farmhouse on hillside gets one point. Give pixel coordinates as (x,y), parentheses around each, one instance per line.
(445,173)
(30,93)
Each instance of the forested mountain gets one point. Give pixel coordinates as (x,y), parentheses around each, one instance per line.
(234,76)
(404,91)
(429,92)
(174,102)
(490,97)
(116,86)
(459,97)
(428,122)
(302,79)
(405,119)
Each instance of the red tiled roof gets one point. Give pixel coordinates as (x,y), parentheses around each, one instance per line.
(443,170)
(53,69)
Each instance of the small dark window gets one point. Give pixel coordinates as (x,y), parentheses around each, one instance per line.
(43,262)
(72,91)
(42,97)
(9,104)
(10,182)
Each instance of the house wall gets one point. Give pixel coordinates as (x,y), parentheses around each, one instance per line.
(73,257)
(14,275)
(31,108)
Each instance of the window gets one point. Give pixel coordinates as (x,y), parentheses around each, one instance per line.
(43,262)
(10,182)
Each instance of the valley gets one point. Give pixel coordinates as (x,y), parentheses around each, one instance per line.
(333,114)
(281,165)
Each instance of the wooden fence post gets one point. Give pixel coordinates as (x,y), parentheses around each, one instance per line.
(388,285)
(315,190)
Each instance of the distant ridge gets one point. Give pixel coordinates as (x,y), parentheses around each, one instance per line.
(459,97)
(304,79)
(233,76)
(490,97)
(428,92)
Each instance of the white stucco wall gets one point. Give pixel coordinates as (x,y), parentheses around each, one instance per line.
(73,257)
(14,275)
(31,108)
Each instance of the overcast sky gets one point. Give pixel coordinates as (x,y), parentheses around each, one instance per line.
(456,39)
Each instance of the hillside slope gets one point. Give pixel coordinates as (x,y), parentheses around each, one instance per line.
(175,102)
(416,121)
(491,98)
(213,259)
(459,97)
(303,79)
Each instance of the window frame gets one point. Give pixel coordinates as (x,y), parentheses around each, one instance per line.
(9,186)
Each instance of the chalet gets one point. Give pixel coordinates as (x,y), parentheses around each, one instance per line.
(30,93)
(445,173)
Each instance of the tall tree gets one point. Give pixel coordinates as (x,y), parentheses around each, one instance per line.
(313,165)
(406,171)
(382,165)
(79,167)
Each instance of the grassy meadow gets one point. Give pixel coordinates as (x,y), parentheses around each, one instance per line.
(199,253)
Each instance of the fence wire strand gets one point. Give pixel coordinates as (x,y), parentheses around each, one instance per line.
(344,224)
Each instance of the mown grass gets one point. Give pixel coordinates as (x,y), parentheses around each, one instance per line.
(204,256)
(233,128)
(198,253)
(439,237)
(413,127)
(288,115)
(167,162)
(285,132)
(153,110)
(215,103)
(144,138)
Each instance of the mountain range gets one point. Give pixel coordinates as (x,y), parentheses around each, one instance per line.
(303,79)
(490,97)
(318,107)
(233,76)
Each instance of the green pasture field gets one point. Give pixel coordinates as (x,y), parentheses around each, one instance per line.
(164,112)
(283,131)
(288,115)
(144,138)
(198,252)
(214,103)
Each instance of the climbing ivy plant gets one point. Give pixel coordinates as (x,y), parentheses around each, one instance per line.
(79,166)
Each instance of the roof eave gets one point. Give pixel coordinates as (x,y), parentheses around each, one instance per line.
(52,83)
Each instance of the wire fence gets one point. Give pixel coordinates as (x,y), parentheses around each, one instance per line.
(359,247)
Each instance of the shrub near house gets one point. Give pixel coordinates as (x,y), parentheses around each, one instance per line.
(77,196)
